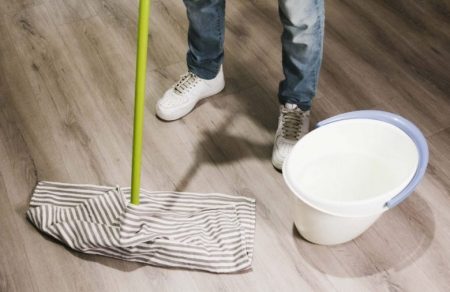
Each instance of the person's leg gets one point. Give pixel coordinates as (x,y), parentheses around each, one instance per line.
(204,59)
(302,43)
(205,36)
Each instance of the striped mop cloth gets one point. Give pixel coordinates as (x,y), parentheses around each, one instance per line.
(210,232)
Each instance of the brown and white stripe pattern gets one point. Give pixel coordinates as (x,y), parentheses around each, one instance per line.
(210,232)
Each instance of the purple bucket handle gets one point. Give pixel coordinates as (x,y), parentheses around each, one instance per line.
(406,126)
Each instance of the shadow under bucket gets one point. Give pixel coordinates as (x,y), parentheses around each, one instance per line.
(350,170)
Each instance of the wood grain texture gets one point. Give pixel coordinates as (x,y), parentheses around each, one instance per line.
(66,106)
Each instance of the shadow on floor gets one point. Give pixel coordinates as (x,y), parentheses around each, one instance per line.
(209,151)
(219,147)
(395,241)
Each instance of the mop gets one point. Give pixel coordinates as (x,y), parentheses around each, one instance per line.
(211,232)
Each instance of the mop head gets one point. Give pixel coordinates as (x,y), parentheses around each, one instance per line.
(209,232)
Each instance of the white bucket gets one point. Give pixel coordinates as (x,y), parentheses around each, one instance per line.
(344,173)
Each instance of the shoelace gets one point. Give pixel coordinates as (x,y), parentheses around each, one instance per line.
(186,82)
(292,122)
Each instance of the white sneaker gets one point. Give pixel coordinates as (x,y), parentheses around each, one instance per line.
(181,98)
(293,124)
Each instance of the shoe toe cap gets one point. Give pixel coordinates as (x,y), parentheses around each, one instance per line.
(281,151)
(170,100)
(172,106)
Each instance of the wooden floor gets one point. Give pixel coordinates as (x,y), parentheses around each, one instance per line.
(66,100)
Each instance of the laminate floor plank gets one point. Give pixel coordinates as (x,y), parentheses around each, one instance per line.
(66,109)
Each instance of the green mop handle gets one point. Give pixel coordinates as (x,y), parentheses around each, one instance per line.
(141,69)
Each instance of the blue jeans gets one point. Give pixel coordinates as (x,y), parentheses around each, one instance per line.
(302,43)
